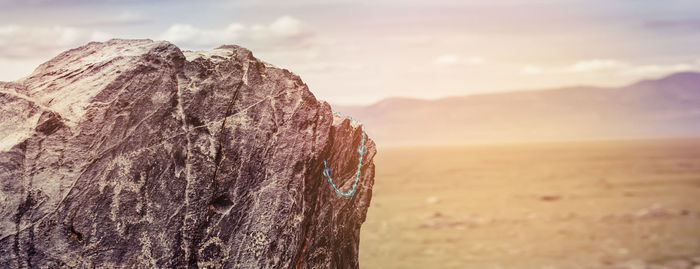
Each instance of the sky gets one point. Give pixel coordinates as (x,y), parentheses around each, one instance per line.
(362,51)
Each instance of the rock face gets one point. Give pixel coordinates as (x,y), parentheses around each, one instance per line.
(133,153)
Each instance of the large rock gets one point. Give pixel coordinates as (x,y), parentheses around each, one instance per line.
(133,153)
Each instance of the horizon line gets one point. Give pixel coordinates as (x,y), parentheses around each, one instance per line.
(516,90)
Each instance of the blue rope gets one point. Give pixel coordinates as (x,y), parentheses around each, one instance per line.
(361,149)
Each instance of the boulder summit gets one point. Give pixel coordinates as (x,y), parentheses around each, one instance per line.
(134,153)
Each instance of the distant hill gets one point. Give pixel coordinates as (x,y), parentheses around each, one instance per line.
(666,107)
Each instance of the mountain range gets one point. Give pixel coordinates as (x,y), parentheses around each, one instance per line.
(656,108)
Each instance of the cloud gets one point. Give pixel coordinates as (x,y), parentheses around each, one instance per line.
(33,42)
(284,32)
(594,65)
(619,67)
(610,66)
(447,59)
(453,60)
(655,69)
(531,70)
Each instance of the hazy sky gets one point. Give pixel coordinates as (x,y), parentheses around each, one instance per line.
(353,52)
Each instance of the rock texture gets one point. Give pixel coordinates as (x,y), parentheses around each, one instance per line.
(133,153)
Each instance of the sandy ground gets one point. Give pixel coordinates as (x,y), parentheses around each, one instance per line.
(611,204)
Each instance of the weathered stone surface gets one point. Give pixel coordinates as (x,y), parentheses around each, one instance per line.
(133,153)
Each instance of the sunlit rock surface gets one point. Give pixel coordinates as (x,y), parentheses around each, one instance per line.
(133,153)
